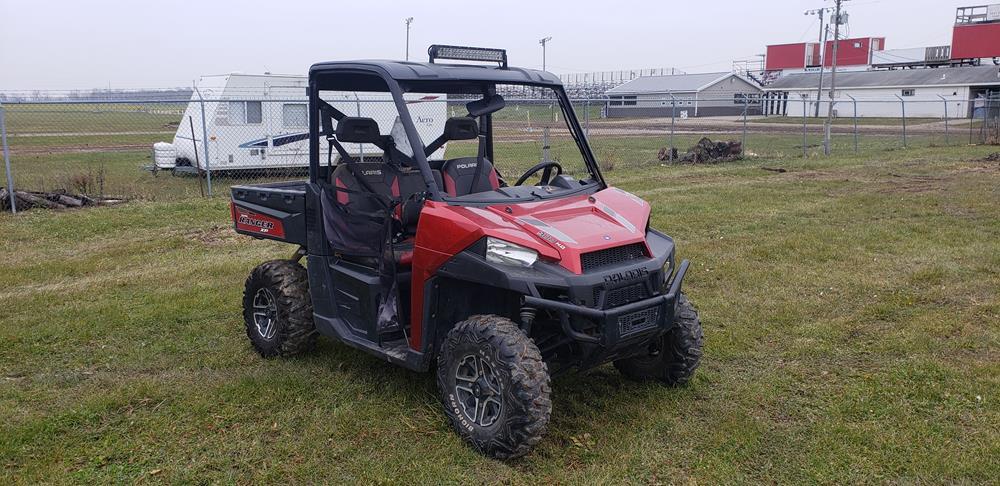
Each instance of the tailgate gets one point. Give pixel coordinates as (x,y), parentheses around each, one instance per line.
(274,211)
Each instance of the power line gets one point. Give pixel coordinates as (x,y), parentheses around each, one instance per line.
(543,41)
(408,20)
(833,75)
(821,14)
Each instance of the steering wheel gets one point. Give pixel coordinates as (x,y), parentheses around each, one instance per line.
(546,174)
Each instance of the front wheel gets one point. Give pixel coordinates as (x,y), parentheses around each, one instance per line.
(494,386)
(673,358)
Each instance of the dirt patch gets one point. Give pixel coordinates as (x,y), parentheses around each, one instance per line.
(815,175)
(217,235)
(74,149)
(883,183)
(913,184)
(994,157)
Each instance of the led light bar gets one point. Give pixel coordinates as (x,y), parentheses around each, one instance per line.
(463,53)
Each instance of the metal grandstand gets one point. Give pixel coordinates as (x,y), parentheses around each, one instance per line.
(754,70)
(589,85)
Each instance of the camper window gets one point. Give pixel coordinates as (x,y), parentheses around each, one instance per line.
(253,112)
(245,112)
(294,115)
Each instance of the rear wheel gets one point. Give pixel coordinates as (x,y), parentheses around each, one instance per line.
(494,386)
(277,310)
(674,357)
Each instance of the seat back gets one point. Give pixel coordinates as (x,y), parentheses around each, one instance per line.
(458,176)
(387,181)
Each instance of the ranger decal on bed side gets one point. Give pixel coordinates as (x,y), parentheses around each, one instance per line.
(248,221)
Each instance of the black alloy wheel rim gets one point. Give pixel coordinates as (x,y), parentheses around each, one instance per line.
(478,389)
(265,313)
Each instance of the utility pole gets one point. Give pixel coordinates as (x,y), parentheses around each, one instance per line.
(543,41)
(820,12)
(408,20)
(833,76)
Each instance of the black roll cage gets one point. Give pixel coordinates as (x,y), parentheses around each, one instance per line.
(392,86)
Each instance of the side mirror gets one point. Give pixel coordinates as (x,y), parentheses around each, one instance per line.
(358,130)
(485,106)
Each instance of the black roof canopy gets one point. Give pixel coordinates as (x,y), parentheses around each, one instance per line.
(357,75)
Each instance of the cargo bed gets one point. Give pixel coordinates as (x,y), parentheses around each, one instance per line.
(274,210)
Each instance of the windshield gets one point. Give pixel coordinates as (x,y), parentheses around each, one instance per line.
(516,144)
(530,129)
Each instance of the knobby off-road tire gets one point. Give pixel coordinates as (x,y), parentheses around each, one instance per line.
(675,357)
(488,368)
(277,309)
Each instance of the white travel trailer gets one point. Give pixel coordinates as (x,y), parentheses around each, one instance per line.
(262,122)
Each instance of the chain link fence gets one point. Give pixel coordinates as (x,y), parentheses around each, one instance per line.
(168,149)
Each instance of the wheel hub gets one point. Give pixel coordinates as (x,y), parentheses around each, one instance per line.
(478,390)
(265,313)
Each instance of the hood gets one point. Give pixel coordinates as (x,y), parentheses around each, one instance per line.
(569,227)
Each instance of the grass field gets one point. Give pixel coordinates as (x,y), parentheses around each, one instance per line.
(114,163)
(101,148)
(92,117)
(850,307)
(848,120)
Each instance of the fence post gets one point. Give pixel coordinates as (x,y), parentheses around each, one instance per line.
(995,110)
(361,146)
(586,117)
(854,102)
(805,113)
(972,119)
(945,100)
(673,118)
(545,144)
(6,161)
(903,104)
(204,141)
(743,142)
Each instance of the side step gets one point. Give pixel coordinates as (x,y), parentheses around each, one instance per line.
(397,351)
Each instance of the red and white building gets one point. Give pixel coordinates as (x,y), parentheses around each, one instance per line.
(852,54)
(976,34)
(975,38)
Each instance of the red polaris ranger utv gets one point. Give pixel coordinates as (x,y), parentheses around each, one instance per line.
(495,268)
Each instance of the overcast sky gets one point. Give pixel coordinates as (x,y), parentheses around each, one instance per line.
(70,44)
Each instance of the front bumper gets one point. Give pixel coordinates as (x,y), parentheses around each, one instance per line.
(624,329)
(609,312)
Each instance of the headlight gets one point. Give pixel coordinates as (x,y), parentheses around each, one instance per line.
(507,253)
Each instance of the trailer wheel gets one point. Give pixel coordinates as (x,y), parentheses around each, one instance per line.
(494,386)
(277,309)
(675,356)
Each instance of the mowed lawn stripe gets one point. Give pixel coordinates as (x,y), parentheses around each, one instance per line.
(852,336)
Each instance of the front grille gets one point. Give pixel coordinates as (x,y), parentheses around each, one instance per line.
(622,295)
(638,321)
(612,256)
